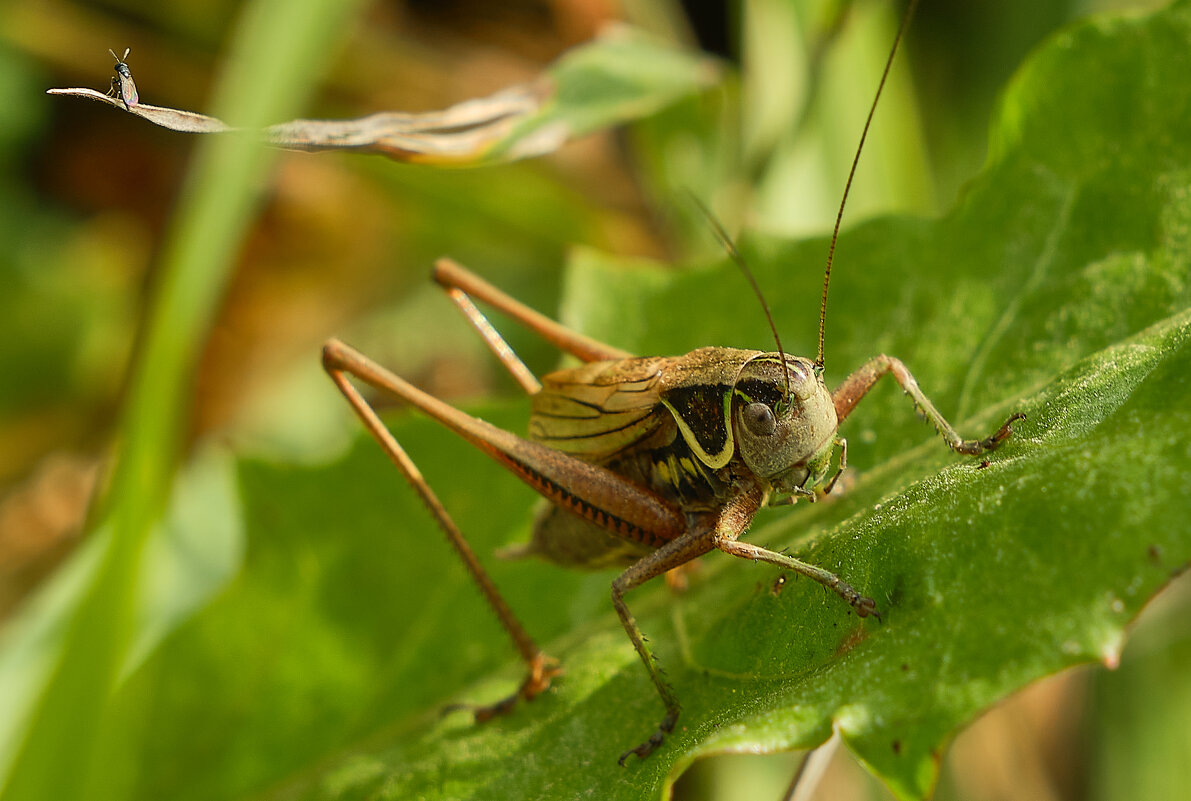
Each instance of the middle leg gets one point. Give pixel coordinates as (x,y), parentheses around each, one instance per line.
(731,522)
(461,285)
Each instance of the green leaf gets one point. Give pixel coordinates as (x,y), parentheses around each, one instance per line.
(624,75)
(1058,287)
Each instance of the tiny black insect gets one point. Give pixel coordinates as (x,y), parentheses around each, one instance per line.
(123,86)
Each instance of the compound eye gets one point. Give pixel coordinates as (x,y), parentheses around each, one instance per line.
(759,419)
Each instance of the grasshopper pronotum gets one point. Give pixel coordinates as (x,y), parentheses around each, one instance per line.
(647,462)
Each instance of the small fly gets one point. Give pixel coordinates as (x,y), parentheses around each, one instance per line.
(123,86)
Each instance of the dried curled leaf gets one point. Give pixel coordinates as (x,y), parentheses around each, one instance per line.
(587,89)
(462,133)
(172,118)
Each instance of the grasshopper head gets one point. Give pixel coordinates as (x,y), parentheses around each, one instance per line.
(786,441)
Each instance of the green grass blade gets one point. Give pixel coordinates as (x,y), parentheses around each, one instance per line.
(272,65)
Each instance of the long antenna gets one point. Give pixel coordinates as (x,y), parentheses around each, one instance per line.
(852,173)
(730,247)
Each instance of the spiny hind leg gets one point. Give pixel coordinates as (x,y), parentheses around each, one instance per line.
(857,385)
(542,670)
(339,361)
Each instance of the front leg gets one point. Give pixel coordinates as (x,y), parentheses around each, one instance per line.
(727,539)
(857,385)
(863,605)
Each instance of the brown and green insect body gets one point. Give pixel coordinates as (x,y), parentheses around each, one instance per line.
(684,427)
(646,462)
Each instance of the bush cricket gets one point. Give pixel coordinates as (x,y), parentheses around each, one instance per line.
(646,462)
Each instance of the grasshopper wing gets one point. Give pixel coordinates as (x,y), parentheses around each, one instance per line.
(599,409)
